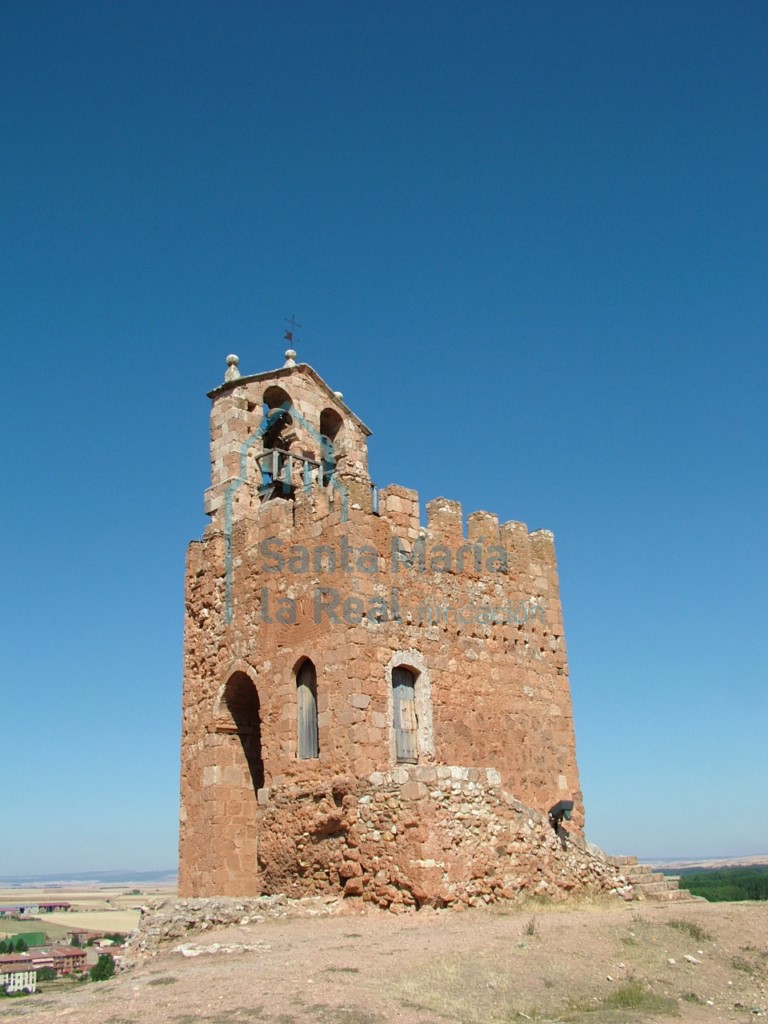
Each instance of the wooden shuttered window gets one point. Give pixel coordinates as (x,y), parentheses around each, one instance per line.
(306,693)
(404,714)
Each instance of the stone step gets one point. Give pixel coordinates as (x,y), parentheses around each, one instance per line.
(620,862)
(652,876)
(650,885)
(672,896)
(649,888)
(664,892)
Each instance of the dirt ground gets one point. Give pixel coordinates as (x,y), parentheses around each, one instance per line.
(698,962)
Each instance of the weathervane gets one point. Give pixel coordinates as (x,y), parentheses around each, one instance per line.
(289,333)
(290,354)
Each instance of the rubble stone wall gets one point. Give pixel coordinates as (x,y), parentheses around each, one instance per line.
(421,835)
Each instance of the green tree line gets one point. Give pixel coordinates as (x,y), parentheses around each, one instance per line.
(720,885)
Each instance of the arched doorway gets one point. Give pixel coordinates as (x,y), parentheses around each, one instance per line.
(242,701)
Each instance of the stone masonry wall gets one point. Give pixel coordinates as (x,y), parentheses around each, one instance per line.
(421,835)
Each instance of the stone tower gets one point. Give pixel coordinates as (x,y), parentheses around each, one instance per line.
(370,705)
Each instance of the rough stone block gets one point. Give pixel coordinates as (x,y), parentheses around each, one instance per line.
(413,791)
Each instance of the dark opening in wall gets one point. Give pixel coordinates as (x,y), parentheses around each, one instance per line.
(242,701)
(330,423)
(274,396)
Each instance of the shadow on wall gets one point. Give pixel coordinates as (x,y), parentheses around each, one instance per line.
(242,701)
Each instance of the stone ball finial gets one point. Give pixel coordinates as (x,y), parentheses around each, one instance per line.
(339,395)
(290,357)
(232,371)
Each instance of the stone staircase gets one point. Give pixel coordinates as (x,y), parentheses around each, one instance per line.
(652,885)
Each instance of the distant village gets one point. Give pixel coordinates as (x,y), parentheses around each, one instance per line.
(26,957)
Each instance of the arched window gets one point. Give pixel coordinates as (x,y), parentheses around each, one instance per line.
(275,462)
(330,424)
(405,721)
(306,697)
(242,701)
(276,434)
(274,396)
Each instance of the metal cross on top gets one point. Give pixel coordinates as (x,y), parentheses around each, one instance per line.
(294,324)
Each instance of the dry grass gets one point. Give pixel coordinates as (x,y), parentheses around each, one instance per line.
(635,994)
(690,928)
(751,961)
(474,990)
(484,991)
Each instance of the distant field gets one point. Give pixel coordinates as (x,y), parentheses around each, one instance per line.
(96,895)
(57,925)
(53,931)
(98,908)
(97,920)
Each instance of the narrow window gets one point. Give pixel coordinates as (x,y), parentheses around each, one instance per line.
(404,711)
(330,425)
(306,693)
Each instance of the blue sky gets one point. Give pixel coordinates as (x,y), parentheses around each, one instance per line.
(528,243)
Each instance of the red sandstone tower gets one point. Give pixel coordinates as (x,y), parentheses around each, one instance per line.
(370,705)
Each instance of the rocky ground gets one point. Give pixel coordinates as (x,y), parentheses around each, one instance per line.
(326,962)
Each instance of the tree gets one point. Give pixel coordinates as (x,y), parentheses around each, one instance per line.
(75,940)
(103,968)
(21,945)
(46,974)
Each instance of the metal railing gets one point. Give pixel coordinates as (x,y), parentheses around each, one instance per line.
(278,467)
